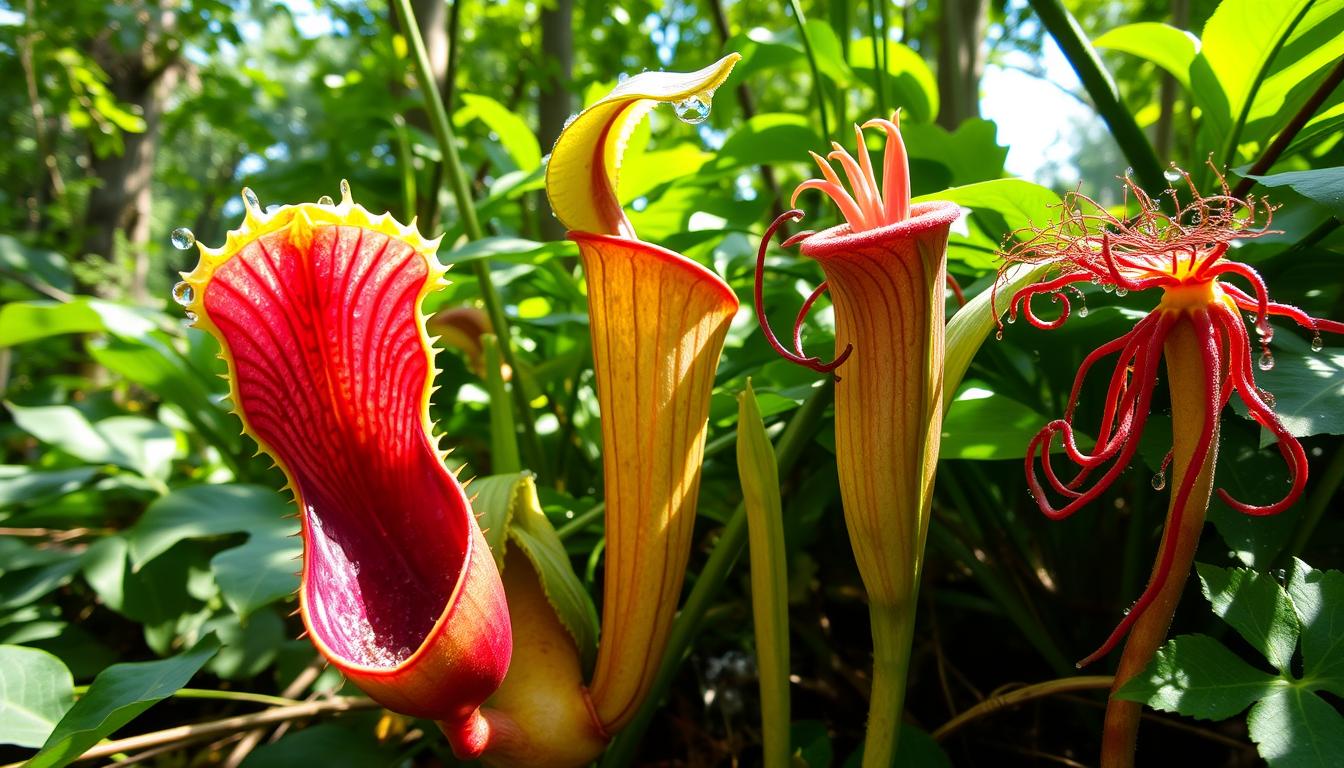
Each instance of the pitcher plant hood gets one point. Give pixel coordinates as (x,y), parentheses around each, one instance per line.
(317,310)
(885,268)
(658,322)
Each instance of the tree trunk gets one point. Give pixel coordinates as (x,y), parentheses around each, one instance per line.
(554,105)
(961,59)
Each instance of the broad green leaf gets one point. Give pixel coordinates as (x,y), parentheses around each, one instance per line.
(35,691)
(494,500)
(1166,46)
(15,555)
(1254,474)
(1318,599)
(1308,386)
(1309,52)
(1199,677)
(771,138)
(21,587)
(149,446)
(259,572)
(829,55)
(247,646)
(201,511)
(117,696)
(489,248)
(49,267)
(157,596)
(971,152)
(1256,606)
(1297,729)
(24,321)
(645,170)
(68,429)
(33,485)
(514,134)
(980,424)
(1021,203)
(1324,186)
(910,83)
(763,50)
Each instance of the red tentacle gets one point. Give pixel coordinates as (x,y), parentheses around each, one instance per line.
(798,355)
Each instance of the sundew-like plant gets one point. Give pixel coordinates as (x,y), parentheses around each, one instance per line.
(1198,330)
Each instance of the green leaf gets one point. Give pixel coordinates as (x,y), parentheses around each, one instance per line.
(967,329)
(1199,677)
(201,511)
(323,744)
(771,138)
(24,586)
(489,248)
(33,486)
(909,79)
(980,424)
(1308,386)
(1021,203)
(1318,599)
(514,134)
(1297,729)
(1324,186)
(49,267)
(35,691)
(829,55)
(1166,46)
(259,572)
(971,152)
(25,321)
(1256,606)
(117,696)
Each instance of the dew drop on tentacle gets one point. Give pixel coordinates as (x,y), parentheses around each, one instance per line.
(325,200)
(1267,396)
(998,335)
(183,293)
(1317,343)
(1266,360)
(182,238)
(1121,291)
(191,317)
(1160,480)
(694,109)
(1172,175)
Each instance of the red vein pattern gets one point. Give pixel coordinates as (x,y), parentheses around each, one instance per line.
(658,322)
(320,324)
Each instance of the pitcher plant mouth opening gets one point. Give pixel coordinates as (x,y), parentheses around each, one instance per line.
(317,311)
(1185,254)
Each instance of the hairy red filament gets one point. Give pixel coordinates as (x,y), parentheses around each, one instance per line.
(1185,255)
(796,355)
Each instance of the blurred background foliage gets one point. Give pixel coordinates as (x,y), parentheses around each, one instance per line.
(135,522)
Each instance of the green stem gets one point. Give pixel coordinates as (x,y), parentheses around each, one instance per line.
(802,426)
(1326,485)
(817,87)
(581,520)
(879,58)
(466,209)
(1063,27)
(503,434)
(893,632)
(408,192)
(208,693)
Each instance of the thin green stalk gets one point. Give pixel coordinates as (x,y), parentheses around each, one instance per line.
(802,426)
(1327,483)
(209,693)
(879,57)
(769,577)
(1063,27)
(457,178)
(817,86)
(407,163)
(503,434)
(581,520)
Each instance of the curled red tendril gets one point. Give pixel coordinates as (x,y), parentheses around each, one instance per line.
(796,355)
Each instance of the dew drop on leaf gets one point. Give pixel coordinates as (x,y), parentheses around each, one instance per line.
(1266,361)
(1120,291)
(183,293)
(693,110)
(183,238)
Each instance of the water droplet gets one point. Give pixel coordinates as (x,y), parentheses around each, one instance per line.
(1268,397)
(1172,175)
(183,238)
(250,200)
(1317,343)
(1082,310)
(1108,287)
(1121,291)
(345,192)
(183,293)
(325,200)
(1266,361)
(998,335)
(693,110)
(191,317)
(272,208)
(1012,318)
(1160,481)
(1129,172)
